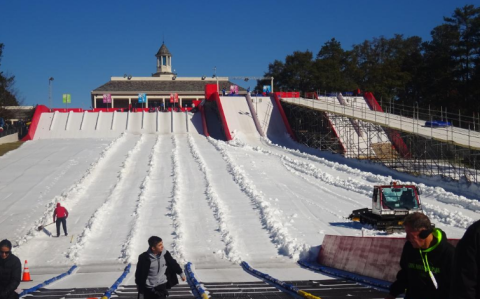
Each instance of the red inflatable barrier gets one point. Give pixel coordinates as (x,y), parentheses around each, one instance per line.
(375,257)
(211,94)
(204,121)
(210,89)
(107,109)
(311,95)
(66,110)
(288,94)
(35,120)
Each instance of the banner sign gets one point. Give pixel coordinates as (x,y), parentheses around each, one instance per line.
(233,89)
(107,98)
(173,98)
(67,98)
(142,98)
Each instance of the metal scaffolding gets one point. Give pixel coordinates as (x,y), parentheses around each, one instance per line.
(427,155)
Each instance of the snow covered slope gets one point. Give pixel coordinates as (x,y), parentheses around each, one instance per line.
(214,203)
(239,118)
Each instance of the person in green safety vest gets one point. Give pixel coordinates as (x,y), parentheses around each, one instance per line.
(426,263)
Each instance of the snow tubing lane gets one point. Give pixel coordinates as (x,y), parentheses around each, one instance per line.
(112,289)
(283,286)
(47,282)
(196,287)
(254,114)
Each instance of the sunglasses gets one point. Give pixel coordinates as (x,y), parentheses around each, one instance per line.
(5,252)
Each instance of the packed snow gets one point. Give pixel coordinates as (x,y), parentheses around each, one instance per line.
(267,201)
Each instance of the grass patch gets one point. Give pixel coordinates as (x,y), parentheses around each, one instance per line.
(6,147)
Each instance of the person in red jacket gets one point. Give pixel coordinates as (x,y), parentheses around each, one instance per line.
(60,215)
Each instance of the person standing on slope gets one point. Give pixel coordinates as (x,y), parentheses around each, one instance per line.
(60,215)
(156,271)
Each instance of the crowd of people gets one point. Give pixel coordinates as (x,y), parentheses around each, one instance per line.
(430,267)
(8,128)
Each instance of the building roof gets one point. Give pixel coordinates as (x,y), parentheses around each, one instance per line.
(163,51)
(135,86)
(19,112)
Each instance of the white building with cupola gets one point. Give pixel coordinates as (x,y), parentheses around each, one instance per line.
(124,90)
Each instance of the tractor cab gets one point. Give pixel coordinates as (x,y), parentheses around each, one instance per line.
(395,199)
(390,205)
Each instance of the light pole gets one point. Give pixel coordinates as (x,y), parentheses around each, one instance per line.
(215,76)
(50,92)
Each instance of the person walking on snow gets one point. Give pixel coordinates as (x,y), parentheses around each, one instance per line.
(156,271)
(60,215)
(10,271)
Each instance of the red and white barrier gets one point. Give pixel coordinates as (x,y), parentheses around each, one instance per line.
(374,257)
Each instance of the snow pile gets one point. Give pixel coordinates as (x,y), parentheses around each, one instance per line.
(175,210)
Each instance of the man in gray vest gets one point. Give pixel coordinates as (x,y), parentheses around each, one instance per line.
(156,271)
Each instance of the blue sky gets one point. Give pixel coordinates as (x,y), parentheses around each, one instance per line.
(84,43)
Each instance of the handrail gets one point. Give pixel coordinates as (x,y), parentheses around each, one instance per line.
(454,135)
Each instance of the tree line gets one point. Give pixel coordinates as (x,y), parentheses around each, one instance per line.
(441,72)
(8,93)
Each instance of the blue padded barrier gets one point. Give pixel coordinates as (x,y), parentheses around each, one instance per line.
(199,292)
(47,282)
(114,287)
(286,286)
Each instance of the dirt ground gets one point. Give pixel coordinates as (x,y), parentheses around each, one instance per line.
(6,147)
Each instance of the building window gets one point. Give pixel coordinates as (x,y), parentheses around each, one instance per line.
(164,60)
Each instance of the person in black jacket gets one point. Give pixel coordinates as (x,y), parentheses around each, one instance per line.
(10,271)
(466,274)
(156,271)
(426,263)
